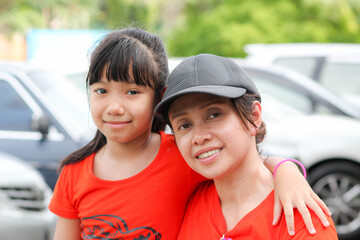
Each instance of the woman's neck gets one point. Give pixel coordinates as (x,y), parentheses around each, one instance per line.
(243,190)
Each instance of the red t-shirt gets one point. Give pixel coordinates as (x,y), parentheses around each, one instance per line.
(204,220)
(149,205)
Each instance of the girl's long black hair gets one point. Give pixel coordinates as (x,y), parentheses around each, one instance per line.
(121,51)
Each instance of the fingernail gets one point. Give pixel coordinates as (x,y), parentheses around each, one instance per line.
(312,231)
(329,213)
(327,224)
(292,232)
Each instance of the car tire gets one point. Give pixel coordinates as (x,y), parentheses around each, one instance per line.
(338,185)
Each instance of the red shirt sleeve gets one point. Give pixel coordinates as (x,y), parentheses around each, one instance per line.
(60,203)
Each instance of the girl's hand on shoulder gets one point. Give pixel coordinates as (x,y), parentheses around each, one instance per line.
(293,191)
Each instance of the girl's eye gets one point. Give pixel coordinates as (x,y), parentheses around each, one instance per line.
(132,92)
(101,91)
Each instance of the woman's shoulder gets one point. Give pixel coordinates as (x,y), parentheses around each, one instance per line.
(203,193)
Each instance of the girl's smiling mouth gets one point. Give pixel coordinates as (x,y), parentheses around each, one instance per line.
(116,124)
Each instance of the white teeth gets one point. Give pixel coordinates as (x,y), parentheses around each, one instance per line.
(208,154)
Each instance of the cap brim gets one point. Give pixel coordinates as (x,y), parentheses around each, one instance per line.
(222,91)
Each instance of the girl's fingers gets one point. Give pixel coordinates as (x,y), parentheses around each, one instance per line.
(314,206)
(289,216)
(320,203)
(304,211)
(277,210)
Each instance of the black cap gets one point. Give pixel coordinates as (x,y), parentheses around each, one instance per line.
(206,73)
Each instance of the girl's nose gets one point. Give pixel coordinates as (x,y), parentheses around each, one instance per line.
(115,108)
(201,135)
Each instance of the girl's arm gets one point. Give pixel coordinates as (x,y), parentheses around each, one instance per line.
(293,191)
(67,229)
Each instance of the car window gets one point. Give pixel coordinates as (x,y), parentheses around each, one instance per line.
(66,99)
(15,114)
(305,66)
(288,93)
(292,98)
(335,75)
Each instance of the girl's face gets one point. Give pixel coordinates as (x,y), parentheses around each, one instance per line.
(122,111)
(210,134)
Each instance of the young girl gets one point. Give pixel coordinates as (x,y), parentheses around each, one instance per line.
(130,181)
(214,110)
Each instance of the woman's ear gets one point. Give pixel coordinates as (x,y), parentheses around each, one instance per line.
(256,117)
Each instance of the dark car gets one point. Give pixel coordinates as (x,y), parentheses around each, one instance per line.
(43,118)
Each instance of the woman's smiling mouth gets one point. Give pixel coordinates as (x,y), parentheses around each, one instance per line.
(209,156)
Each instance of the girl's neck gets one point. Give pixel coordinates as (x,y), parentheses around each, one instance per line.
(116,161)
(243,190)
(131,148)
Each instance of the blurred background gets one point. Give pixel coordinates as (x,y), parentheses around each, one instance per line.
(304,56)
(185,25)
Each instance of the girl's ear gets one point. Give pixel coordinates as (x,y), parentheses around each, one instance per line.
(161,96)
(163,92)
(158,100)
(256,117)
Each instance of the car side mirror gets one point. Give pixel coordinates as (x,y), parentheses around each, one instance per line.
(40,123)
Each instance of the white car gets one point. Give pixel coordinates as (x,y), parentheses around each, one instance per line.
(335,66)
(329,147)
(298,91)
(24,197)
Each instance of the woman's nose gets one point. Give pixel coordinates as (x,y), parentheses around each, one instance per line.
(201,135)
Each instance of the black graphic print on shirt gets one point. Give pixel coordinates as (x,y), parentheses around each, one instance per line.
(120,230)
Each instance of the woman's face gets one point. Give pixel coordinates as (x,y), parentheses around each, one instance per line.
(210,134)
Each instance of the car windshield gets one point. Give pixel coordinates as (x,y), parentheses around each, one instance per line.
(68,102)
(336,74)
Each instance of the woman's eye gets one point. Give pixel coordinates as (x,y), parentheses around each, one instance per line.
(214,115)
(101,91)
(184,126)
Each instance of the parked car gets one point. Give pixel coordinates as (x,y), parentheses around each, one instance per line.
(24,197)
(43,117)
(298,91)
(328,146)
(335,66)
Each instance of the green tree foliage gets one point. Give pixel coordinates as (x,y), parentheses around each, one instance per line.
(147,14)
(119,13)
(22,15)
(224,27)
(192,26)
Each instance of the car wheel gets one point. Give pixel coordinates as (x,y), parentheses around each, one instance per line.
(338,185)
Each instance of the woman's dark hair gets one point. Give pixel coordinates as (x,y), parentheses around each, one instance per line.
(244,107)
(122,51)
